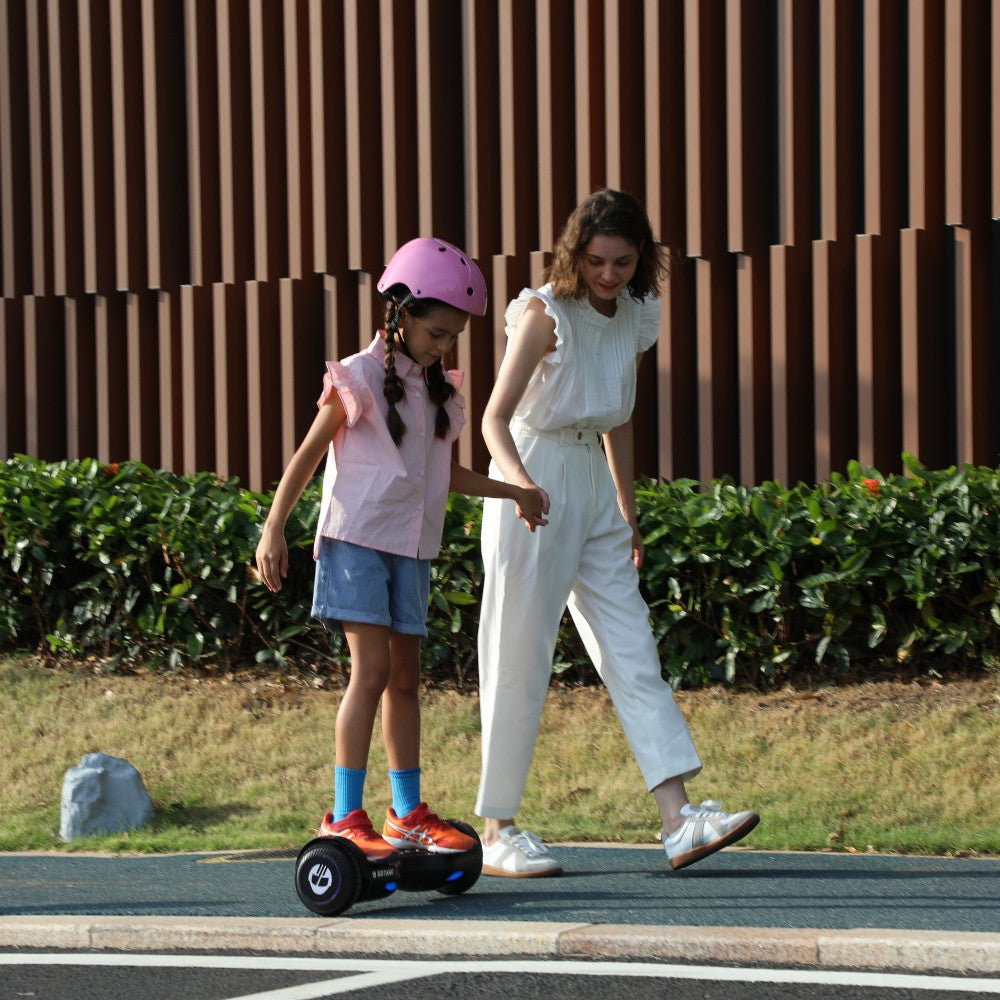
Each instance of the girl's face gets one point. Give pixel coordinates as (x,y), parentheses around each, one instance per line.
(608,264)
(431,337)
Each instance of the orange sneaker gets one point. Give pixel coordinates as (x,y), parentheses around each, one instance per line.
(425,831)
(357,827)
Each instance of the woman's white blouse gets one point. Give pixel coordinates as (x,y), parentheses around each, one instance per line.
(588,381)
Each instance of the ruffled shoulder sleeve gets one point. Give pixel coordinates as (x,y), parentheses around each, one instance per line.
(516,309)
(649,323)
(456,405)
(354,394)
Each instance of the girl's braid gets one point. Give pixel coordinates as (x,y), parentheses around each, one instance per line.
(392,387)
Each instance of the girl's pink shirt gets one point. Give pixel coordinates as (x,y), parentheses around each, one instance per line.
(375,493)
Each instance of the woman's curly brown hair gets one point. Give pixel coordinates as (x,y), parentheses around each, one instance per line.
(607,213)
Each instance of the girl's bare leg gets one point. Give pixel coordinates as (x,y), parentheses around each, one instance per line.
(371,666)
(401,703)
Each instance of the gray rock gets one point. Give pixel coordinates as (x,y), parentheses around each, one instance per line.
(103,794)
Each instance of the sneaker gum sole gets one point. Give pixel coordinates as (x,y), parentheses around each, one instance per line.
(503,873)
(690,857)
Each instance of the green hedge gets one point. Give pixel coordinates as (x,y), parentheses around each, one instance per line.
(846,578)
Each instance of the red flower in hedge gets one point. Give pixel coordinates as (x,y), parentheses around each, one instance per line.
(112,469)
(871,484)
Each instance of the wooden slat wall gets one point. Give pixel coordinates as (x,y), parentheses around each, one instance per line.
(196,199)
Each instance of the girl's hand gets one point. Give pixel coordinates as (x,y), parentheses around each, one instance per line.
(272,558)
(532,503)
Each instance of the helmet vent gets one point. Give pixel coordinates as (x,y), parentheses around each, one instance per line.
(469,291)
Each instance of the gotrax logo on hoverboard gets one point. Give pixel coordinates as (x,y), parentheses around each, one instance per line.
(320,879)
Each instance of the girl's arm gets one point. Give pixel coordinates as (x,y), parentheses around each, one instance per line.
(618,446)
(272,550)
(533,337)
(531,501)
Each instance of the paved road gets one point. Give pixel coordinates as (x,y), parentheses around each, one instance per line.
(828,910)
(605,885)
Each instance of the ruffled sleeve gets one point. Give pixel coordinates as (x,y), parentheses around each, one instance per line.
(649,323)
(353,394)
(456,405)
(516,309)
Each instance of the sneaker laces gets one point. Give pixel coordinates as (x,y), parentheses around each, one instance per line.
(708,808)
(526,841)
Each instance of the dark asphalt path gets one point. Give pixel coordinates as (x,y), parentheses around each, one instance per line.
(601,885)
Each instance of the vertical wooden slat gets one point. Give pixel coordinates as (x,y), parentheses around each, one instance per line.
(197,372)
(298,209)
(884,113)
(45,378)
(556,133)
(170,365)
(165,112)
(482,132)
(328,125)
(81,378)
(834,356)
(925,118)
(301,351)
(362,136)
(268,140)
(718,382)
(704,52)
(13,406)
(263,385)
(64,125)
(677,369)
(518,130)
(753,299)
(791,363)
(131,242)
(400,139)
(879,353)
(97,148)
(928,398)
(440,145)
(229,362)
(235,141)
(143,387)
(588,33)
(112,371)
(40,149)
(623,94)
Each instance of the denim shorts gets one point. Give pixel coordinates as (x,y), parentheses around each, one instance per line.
(358,584)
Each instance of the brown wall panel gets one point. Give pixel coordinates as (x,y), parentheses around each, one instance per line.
(242,171)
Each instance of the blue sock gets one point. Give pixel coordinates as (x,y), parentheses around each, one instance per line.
(348,791)
(405,790)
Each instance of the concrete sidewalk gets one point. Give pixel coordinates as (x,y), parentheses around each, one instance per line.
(870,912)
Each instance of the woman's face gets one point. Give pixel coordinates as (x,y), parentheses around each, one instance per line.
(431,337)
(608,264)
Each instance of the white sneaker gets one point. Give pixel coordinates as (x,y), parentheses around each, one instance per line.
(706,829)
(518,854)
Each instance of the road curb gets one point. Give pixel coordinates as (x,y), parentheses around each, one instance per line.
(871,950)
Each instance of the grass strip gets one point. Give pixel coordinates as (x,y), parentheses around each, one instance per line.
(245,761)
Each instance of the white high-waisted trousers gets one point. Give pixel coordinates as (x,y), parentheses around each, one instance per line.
(583,559)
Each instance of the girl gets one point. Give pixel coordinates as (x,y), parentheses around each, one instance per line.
(565,388)
(387,419)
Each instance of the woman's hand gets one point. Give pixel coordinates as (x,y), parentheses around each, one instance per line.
(532,503)
(638,548)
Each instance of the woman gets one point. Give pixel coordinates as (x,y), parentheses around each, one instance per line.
(567,386)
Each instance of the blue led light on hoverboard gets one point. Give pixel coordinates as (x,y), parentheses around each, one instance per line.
(390,887)
(454,875)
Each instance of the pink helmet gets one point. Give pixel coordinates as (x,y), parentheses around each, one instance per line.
(433,269)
